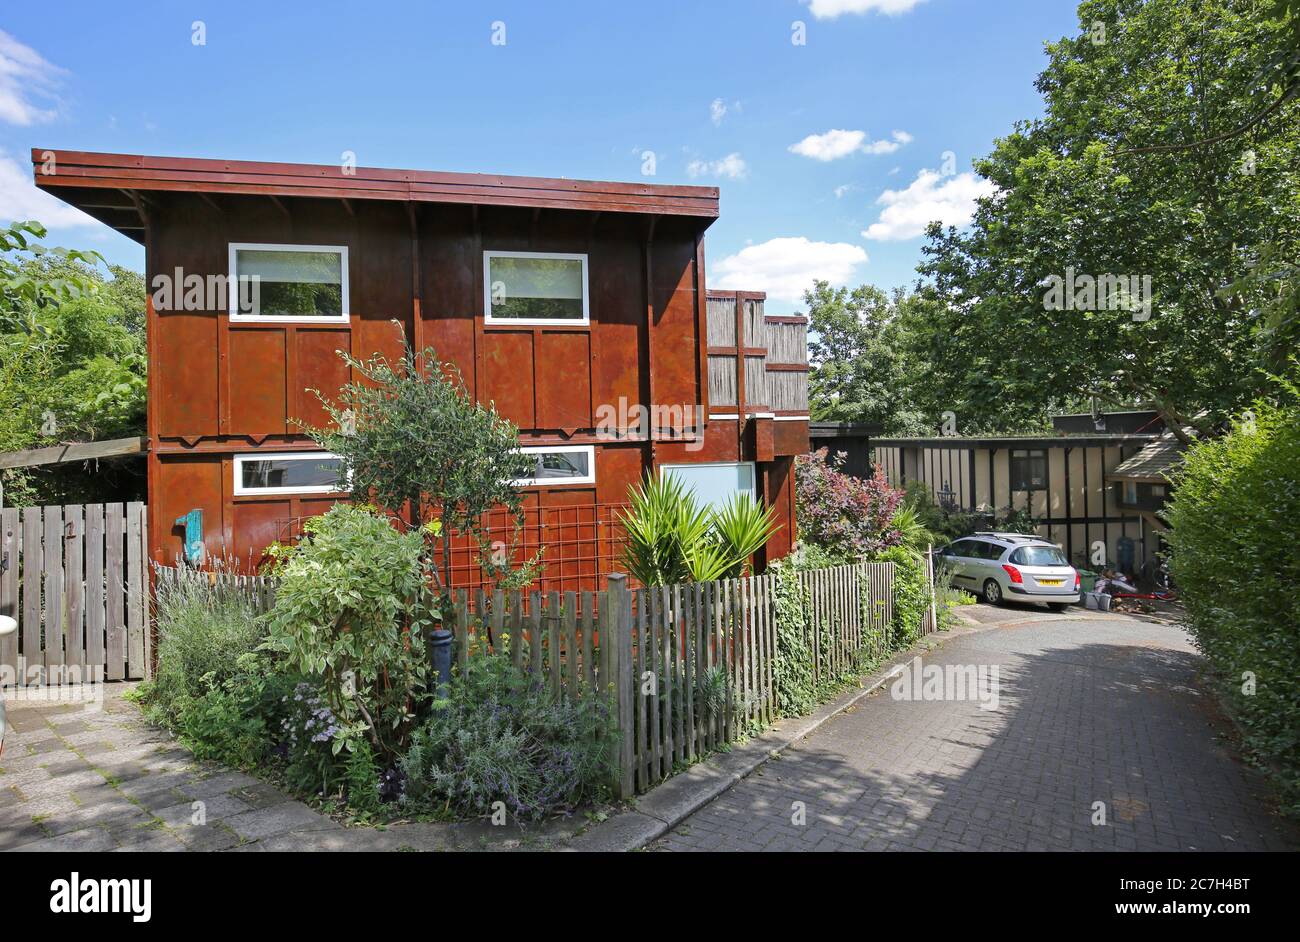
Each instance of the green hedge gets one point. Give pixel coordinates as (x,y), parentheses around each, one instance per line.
(1235,538)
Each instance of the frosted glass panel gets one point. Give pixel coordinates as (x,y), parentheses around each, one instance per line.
(714,483)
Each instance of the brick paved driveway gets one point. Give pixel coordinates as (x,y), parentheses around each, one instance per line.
(1092,708)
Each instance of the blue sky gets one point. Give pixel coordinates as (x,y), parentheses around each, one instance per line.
(830,155)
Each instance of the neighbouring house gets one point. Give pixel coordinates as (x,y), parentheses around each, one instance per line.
(1073,480)
(579,308)
(850,439)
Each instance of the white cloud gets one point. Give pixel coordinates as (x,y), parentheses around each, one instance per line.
(844,188)
(20,199)
(25,78)
(830,9)
(837,143)
(930,197)
(717,110)
(732,166)
(787,267)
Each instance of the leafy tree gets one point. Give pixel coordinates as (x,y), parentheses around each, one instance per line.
(414,441)
(1094,187)
(72,363)
(858,355)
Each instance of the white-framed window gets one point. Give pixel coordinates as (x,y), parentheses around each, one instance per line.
(288,472)
(560,464)
(714,482)
(535,288)
(275,283)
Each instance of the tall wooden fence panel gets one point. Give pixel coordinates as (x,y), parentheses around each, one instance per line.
(74,578)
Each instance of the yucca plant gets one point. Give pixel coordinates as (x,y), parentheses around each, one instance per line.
(663,522)
(913,535)
(672,539)
(743,527)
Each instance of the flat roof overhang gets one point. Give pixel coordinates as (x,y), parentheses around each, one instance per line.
(1014,441)
(111,187)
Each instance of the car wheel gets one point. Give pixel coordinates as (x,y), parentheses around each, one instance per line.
(993,592)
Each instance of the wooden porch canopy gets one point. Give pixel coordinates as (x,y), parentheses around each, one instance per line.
(113,187)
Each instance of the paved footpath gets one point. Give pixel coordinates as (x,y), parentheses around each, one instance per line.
(97,777)
(1090,709)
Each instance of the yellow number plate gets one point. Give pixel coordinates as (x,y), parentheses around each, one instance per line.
(1050,581)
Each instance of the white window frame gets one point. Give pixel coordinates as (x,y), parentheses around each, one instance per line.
(232,286)
(752,465)
(242,457)
(488,255)
(588,478)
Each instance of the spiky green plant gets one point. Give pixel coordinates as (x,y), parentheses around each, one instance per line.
(913,534)
(743,527)
(672,539)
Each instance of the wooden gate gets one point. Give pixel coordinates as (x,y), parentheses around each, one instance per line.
(76,580)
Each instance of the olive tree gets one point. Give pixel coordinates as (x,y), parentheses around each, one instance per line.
(414,441)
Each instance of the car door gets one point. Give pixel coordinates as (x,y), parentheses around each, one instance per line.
(960,561)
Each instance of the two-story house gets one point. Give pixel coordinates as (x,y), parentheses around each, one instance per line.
(579,308)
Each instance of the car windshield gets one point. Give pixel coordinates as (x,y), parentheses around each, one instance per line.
(1039,556)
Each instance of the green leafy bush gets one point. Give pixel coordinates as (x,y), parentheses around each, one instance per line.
(234,720)
(500,736)
(792,661)
(911,595)
(1235,518)
(351,613)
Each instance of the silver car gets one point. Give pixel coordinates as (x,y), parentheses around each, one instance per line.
(998,566)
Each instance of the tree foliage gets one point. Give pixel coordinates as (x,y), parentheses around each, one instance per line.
(1087,188)
(413,439)
(858,349)
(72,363)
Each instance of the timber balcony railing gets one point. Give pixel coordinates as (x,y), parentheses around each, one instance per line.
(766,369)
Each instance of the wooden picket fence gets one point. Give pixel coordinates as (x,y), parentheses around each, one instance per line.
(260,590)
(688,668)
(75,579)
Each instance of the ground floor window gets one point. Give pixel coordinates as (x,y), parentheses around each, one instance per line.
(294,472)
(715,482)
(561,464)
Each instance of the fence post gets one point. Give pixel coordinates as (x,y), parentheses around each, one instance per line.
(619,625)
(929,578)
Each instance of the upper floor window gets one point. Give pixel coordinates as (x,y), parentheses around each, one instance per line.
(535,288)
(292,472)
(561,464)
(1029,469)
(288,282)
